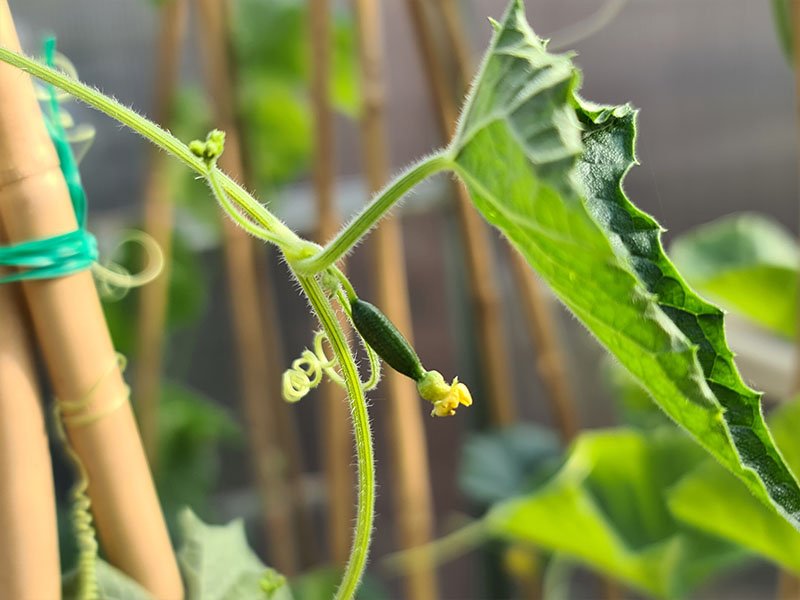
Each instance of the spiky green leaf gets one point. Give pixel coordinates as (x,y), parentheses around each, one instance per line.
(546,168)
(712,500)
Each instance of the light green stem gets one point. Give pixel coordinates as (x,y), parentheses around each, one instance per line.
(354,231)
(364,455)
(289,241)
(267,226)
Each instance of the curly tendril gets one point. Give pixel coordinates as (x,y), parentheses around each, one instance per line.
(78,413)
(306,372)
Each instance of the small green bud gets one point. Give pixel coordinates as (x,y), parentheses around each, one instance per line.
(210,149)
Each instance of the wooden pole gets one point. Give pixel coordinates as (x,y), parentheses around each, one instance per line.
(71,330)
(159,221)
(478,251)
(413,500)
(29,565)
(253,348)
(549,356)
(335,421)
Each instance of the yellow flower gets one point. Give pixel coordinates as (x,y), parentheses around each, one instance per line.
(446,398)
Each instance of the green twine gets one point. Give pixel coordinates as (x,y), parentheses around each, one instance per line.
(67,253)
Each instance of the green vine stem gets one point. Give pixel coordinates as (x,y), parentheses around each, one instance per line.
(356,229)
(283,236)
(363,436)
(305,258)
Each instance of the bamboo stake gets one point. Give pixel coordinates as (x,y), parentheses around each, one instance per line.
(159,221)
(68,318)
(337,437)
(459,45)
(253,348)
(477,247)
(550,359)
(413,501)
(29,565)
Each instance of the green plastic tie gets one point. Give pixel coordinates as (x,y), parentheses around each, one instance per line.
(67,253)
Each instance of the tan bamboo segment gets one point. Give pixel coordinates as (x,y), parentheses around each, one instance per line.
(413,498)
(478,251)
(159,220)
(337,438)
(456,38)
(549,357)
(29,565)
(253,348)
(77,348)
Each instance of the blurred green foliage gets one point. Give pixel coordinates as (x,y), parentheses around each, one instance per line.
(216,563)
(606,507)
(748,263)
(321,584)
(192,429)
(782,16)
(504,463)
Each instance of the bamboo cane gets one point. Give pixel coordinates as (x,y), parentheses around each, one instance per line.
(550,358)
(337,437)
(68,318)
(413,500)
(29,566)
(253,348)
(158,222)
(477,248)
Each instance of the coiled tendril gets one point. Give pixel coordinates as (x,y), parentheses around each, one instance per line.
(77,413)
(306,372)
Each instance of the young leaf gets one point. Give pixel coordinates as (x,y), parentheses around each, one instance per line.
(610,513)
(218,564)
(747,263)
(546,168)
(712,500)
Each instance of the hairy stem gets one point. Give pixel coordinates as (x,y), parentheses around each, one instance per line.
(364,455)
(354,231)
(158,136)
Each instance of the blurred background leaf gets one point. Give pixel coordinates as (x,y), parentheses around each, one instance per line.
(218,564)
(606,508)
(747,263)
(499,465)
